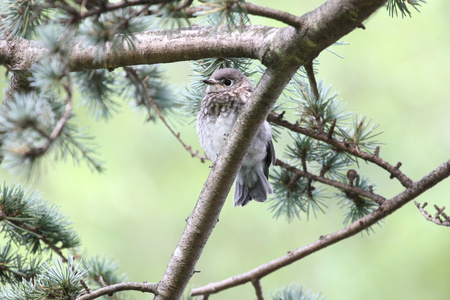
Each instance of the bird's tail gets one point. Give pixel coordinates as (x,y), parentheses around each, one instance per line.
(251,185)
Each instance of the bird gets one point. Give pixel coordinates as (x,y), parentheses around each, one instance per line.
(227,92)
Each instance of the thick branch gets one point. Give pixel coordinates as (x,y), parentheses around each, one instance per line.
(150,47)
(388,207)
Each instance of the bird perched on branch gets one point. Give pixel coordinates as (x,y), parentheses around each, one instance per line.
(226,94)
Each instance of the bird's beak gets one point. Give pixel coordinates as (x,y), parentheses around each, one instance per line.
(211,82)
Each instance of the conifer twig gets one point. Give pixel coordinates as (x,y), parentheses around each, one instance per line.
(274,14)
(312,80)
(126,286)
(177,135)
(258,289)
(342,186)
(58,129)
(342,146)
(440,218)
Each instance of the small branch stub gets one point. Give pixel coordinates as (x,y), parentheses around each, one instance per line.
(440,217)
(397,167)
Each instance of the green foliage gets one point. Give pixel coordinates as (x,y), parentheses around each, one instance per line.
(145,87)
(20,18)
(115,27)
(26,124)
(102,269)
(17,267)
(355,206)
(230,13)
(34,231)
(295,292)
(360,133)
(316,114)
(57,39)
(402,6)
(171,17)
(30,222)
(295,194)
(327,115)
(97,89)
(56,281)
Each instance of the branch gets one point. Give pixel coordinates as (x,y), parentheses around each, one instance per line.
(388,207)
(60,124)
(177,135)
(312,80)
(321,28)
(258,289)
(126,286)
(37,233)
(271,13)
(341,146)
(150,47)
(342,186)
(437,219)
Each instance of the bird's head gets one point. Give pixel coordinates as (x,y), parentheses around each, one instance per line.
(226,80)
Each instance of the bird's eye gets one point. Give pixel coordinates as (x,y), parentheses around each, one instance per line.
(227,82)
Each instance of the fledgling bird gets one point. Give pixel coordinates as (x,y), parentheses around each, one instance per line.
(226,94)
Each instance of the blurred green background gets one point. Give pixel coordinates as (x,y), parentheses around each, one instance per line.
(397,72)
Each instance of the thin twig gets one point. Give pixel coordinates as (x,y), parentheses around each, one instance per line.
(184,5)
(312,80)
(58,129)
(258,289)
(34,231)
(342,186)
(126,20)
(331,130)
(271,13)
(177,135)
(437,219)
(126,286)
(86,288)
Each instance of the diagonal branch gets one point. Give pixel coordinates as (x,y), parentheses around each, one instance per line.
(388,207)
(176,135)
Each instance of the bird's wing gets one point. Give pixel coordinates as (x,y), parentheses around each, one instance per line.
(270,157)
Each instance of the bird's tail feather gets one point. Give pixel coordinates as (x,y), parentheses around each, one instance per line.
(258,192)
